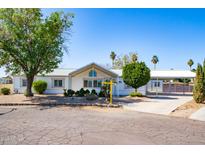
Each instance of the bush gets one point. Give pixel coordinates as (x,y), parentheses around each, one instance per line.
(40,86)
(70,92)
(77,93)
(26,93)
(93,92)
(199,86)
(81,92)
(87,92)
(5,91)
(135,94)
(91,97)
(65,93)
(101,94)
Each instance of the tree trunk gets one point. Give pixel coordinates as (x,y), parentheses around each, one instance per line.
(29,86)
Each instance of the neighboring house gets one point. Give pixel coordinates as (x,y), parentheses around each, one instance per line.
(89,77)
(6,80)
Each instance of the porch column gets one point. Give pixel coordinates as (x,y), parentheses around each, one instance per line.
(117,87)
(69,82)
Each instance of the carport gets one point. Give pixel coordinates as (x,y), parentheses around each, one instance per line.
(159,77)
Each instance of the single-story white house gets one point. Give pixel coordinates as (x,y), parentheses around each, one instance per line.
(91,77)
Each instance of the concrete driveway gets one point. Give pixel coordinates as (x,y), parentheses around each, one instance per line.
(158,104)
(199,115)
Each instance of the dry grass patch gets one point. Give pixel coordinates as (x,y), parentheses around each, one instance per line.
(137,99)
(187,109)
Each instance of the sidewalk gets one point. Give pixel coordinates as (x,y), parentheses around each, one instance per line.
(198,115)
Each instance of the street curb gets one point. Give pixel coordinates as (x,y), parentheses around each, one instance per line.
(62,104)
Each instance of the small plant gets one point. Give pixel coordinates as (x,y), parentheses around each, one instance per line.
(87,92)
(135,94)
(81,92)
(5,91)
(40,86)
(91,97)
(101,94)
(65,93)
(93,92)
(77,93)
(70,92)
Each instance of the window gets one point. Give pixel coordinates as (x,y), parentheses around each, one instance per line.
(24,82)
(92,83)
(99,83)
(85,84)
(95,82)
(88,83)
(156,84)
(58,83)
(92,73)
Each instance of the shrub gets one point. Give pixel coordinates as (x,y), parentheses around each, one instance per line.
(135,94)
(101,94)
(87,92)
(65,93)
(5,91)
(91,97)
(93,92)
(77,93)
(81,92)
(198,91)
(40,86)
(70,92)
(26,93)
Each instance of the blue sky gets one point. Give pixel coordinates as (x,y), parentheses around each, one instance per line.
(174,35)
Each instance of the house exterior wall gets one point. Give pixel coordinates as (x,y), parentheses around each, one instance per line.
(151,86)
(17,83)
(124,90)
(77,81)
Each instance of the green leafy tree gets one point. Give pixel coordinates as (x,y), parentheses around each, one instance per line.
(30,43)
(198,91)
(136,74)
(134,57)
(190,63)
(155,60)
(112,57)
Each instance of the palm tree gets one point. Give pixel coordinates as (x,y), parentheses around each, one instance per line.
(190,63)
(134,57)
(112,56)
(155,60)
